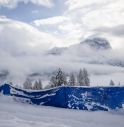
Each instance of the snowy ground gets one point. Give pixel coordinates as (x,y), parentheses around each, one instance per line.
(14,114)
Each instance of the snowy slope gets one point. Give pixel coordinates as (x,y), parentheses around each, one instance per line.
(14,114)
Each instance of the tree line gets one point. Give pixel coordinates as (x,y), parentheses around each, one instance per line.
(60,78)
(29,85)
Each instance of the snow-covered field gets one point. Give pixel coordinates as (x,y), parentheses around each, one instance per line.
(13,114)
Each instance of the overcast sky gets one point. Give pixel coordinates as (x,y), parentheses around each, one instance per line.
(60,22)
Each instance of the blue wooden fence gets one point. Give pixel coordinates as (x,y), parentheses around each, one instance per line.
(84,98)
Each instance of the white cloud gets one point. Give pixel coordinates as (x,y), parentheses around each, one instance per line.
(81,18)
(21,48)
(94,13)
(77,4)
(14,3)
(61,27)
(116,30)
(51,21)
(18,37)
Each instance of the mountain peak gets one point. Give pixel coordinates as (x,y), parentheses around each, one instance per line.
(97,43)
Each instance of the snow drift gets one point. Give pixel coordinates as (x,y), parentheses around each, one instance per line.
(13,114)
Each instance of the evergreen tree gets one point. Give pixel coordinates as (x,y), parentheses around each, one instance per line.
(112,83)
(40,84)
(27,84)
(119,83)
(37,85)
(58,78)
(83,78)
(72,80)
(86,77)
(80,78)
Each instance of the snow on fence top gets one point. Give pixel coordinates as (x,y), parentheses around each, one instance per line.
(84,98)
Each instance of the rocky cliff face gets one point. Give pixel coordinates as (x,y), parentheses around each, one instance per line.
(97,43)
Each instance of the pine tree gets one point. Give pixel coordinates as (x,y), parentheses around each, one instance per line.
(53,81)
(83,78)
(37,85)
(40,84)
(86,77)
(27,84)
(80,78)
(72,80)
(58,78)
(112,83)
(119,83)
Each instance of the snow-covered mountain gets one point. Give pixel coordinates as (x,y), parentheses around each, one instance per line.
(97,43)
(95,50)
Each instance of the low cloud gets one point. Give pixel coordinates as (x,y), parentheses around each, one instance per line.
(115,30)
(17,37)
(21,60)
(21,46)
